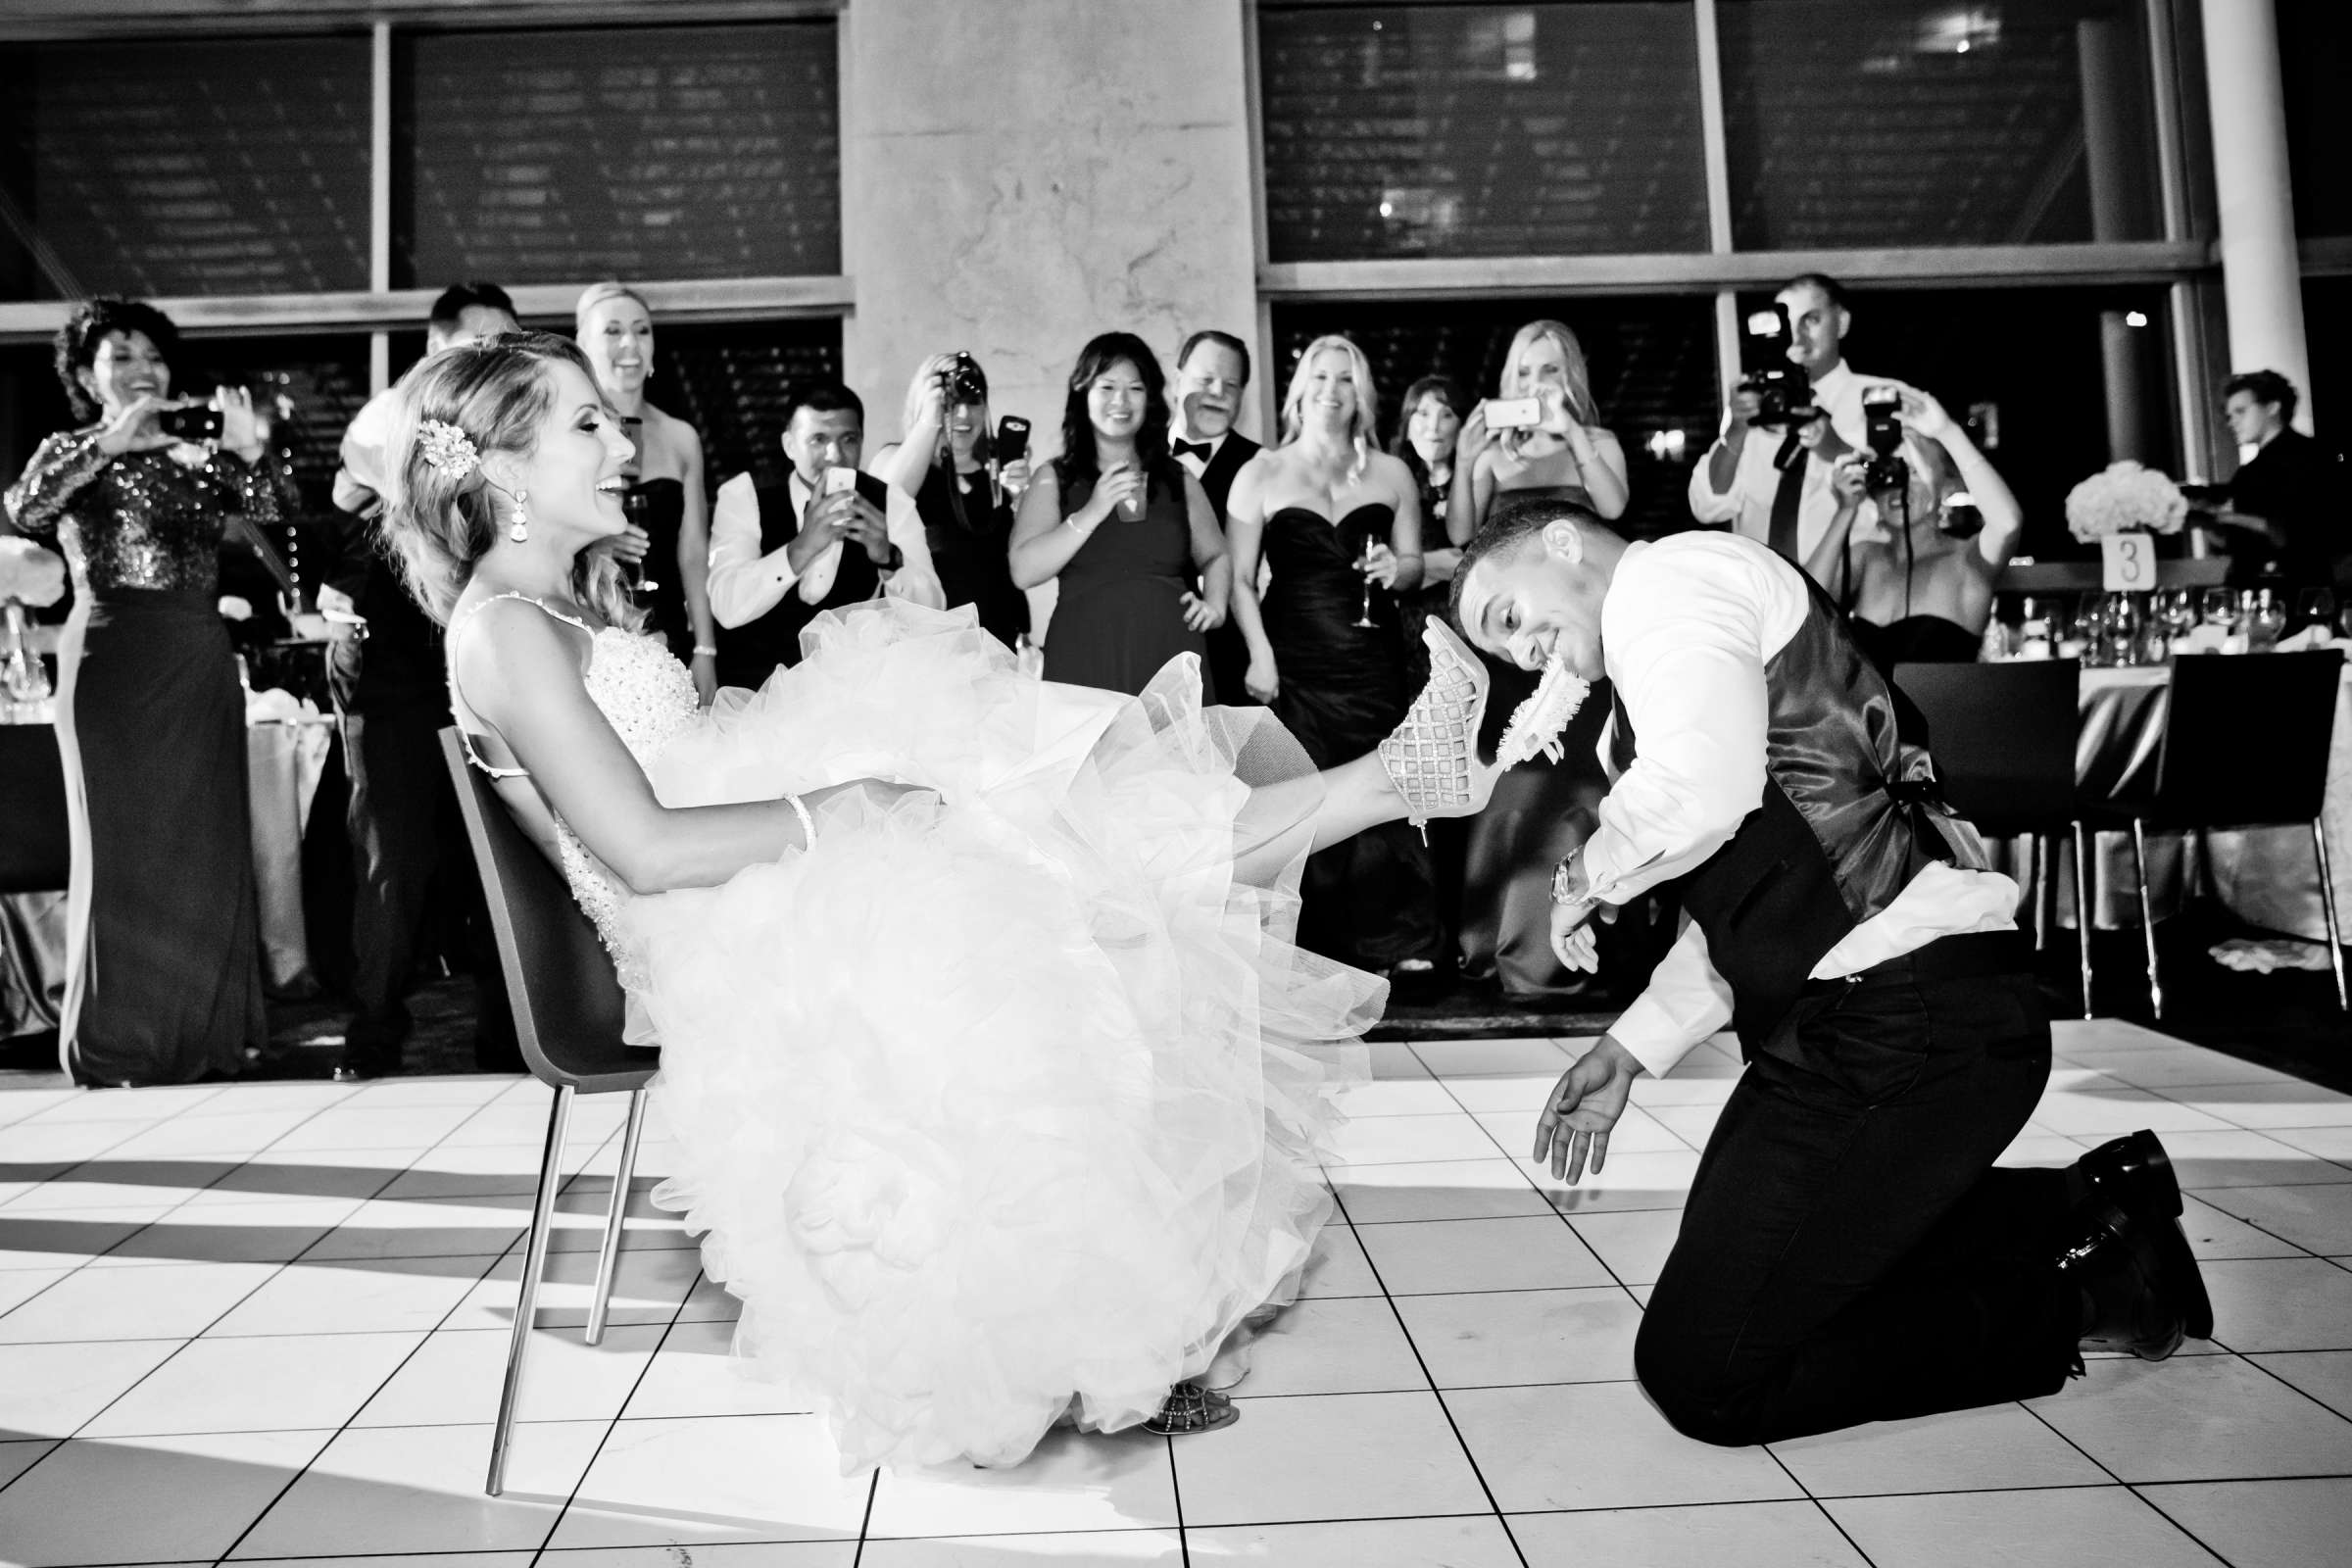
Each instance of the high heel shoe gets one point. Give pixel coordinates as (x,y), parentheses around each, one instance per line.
(1432,757)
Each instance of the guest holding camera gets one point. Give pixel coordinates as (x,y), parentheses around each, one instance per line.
(1923,526)
(163,981)
(665,496)
(1125,531)
(1743,481)
(1337,520)
(2276,511)
(391,693)
(1554,445)
(1213,373)
(949,462)
(828,537)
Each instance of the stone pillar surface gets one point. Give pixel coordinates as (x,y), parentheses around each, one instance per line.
(2261,271)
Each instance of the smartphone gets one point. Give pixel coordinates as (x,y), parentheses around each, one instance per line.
(1514,413)
(190,425)
(1012,438)
(839,480)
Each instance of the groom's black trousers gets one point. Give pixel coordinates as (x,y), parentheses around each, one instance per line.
(1848,1253)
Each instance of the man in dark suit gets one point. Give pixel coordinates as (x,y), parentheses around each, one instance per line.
(781,554)
(1213,372)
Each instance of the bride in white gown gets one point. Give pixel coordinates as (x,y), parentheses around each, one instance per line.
(998,1090)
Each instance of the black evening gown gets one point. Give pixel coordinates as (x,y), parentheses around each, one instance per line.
(163,982)
(1368,901)
(658,507)
(971,547)
(1120,615)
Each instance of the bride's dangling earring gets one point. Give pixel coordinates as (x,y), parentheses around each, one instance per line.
(518,529)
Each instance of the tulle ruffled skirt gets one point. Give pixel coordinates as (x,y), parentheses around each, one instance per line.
(1008,1100)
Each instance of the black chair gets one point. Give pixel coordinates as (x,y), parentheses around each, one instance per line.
(33,852)
(2244,743)
(2003,739)
(569,1013)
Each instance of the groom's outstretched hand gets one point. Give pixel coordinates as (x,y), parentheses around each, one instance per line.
(1583,1106)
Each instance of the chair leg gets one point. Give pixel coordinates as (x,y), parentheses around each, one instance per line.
(610,1257)
(2084,907)
(527,1299)
(2335,933)
(2147,912)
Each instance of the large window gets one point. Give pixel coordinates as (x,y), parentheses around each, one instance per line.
(2315,55)
(225,167)
(1481,130)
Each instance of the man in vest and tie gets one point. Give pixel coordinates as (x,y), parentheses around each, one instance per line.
(829,536)
(1848,1253)
(1213,375)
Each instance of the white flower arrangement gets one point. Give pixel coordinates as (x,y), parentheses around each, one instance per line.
(30,575)
(2127,498)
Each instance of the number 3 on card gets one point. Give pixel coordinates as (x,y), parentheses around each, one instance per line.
(2128,563)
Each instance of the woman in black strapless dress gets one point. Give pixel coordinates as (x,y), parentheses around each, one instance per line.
(666,496)
(1338,523)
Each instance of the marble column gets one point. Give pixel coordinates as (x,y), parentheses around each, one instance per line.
(2261,272)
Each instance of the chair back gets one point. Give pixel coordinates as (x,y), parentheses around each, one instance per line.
(2003,739)
(34,857)
(2245,739)
(569,1008)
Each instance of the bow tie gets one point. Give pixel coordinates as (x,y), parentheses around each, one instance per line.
(1196,448)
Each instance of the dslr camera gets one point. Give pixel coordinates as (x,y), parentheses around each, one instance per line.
(965,385)
(1882,407)
(1781,388)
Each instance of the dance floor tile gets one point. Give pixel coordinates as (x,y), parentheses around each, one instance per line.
(509,1120)
(2235,1157)
(1475,1059)
(132,1105)
(1693,1125)
(22,1454)
(436,1559)
(1108,1549)
(453,1227)
(2215,1234)
(2169,1068)
(420,1490)
(313,1173)
(356,1125)
(48,1390)
(1637,1132)
(2030,1149)
(1346,1346)
(694,1374)
(765,1554)
(1074,1481)
(454,1378)
(1527,1093)
(17,1105)
(21,1285)
(1338,1266)
(171,1301)
(275,1232)
(448,1089)
(2001,1446)
(2317,1218)
(302,1096)
(1393,1060)
(2097,1527)
(39,1140)
(1785,1535)
(1451,1189)
(111,1183)
(152,1500)
(1598,1446)
(1633,1243)
(2094,1105)
(711,1303)
(1328,1456)
(2285,1102)
(2325,1375)
(282,1383)
(1399,1140)
(37,1240)
(647,1288)
(1453,1255)
(386,1295)
(1463,1543)
(1516,1337)
(246,1131)
(1399,1096)
(1627,1181)
(682,1483)
(2281,1304)
(475,1170)
(2264,1524)
(2197,1418)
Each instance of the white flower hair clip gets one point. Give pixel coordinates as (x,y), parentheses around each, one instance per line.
(448,449)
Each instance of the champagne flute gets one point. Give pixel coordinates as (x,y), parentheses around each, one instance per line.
(635,505)
(1363,563)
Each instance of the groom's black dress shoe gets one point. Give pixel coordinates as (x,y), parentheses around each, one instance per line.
(2131,1173)
(2141,1289)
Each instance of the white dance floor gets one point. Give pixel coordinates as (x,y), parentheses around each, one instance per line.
(266,1323)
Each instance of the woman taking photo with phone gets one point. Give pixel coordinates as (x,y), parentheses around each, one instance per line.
(964,490)
(1129,536)
(666,498)
(163,981)
(1552,443)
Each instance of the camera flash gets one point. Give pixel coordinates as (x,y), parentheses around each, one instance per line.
(2136,318)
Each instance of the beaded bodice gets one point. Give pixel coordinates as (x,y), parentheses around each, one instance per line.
(149,519)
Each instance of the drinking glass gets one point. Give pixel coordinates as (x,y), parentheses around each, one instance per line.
(2220,608)
(635,505)
(2315,607)
(1363,563)
(2266,621)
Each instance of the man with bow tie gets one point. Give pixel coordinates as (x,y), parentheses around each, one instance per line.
(1213,372)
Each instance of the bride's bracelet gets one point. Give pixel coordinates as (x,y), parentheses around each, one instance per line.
(808,822)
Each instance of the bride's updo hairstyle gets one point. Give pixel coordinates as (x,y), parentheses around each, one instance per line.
(442,521)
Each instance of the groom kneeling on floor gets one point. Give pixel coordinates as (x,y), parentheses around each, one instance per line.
(1849,1252)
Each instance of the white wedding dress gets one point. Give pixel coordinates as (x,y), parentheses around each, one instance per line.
(1003,1103)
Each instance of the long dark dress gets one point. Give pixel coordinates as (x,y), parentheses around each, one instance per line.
(1121,616)
(162,978)
(1368,901)
(658,507)
(971,546)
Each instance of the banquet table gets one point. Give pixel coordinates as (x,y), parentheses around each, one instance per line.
(285,755)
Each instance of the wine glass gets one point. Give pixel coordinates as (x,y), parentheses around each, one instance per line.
(1363,563)
(2266,619)
(2315,607)
(635,505)
(2220,608)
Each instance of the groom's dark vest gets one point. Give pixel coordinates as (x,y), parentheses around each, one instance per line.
(749,653)
(1848,819)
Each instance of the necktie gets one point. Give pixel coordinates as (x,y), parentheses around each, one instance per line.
(1783,537)
(1194,448)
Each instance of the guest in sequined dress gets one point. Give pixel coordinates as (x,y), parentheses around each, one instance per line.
(163,981)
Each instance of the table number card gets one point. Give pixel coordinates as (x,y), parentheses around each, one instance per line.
(2126,562)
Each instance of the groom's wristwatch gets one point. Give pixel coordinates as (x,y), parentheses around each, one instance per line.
(1568,889)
